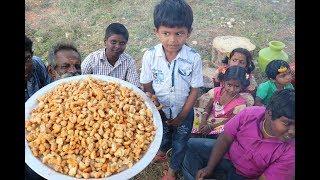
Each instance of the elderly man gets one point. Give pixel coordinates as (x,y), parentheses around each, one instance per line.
(36,74)
(64,61)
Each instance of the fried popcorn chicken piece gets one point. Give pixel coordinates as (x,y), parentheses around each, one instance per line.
(90,128)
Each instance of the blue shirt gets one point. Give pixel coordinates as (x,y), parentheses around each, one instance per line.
(172,82)
(39,78)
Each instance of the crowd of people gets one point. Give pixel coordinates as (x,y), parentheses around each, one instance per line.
(247,130)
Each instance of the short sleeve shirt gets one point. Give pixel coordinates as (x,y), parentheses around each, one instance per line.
(267,89)
(124,68)
(251,154)
(172,82)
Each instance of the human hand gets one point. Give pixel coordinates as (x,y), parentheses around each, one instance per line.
(205,130)
(153,98)
(202,173)
(176,121)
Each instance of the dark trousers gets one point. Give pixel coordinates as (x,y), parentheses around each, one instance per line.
(197,157)
(177,138)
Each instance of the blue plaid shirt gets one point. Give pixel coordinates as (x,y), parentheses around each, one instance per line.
(38,78)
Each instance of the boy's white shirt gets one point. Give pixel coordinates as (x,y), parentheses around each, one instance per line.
(187,74)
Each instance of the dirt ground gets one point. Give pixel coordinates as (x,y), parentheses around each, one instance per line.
(83,22)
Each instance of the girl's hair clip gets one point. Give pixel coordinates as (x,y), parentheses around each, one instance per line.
(247,76)
(222,69)
(282,69)
(228,55)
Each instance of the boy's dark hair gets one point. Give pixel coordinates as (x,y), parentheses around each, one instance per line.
(27,44)
(237,73)
(273,67)
(116,28)
(282,103)
(58,47)
(250,65)
(173,13)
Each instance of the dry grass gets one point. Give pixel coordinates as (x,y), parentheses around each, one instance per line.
(84,21)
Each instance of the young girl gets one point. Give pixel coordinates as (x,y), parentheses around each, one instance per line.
(238,57)
(280,77)
(225,102)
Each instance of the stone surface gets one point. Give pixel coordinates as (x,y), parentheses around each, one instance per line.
(222,45)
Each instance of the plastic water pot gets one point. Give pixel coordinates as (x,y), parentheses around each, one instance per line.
(274,51)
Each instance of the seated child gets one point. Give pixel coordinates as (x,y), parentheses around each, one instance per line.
(111,60)
(238,57)
(279,74)
(225,102)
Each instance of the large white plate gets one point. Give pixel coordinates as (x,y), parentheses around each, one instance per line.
(48,173)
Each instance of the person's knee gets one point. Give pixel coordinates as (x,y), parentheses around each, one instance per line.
(193,143)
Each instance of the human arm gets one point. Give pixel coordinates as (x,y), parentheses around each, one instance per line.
(204,127)
(86,65)
(150,93)
(186,108)
(132,75)
(282,168)
(224,141)
(222,145)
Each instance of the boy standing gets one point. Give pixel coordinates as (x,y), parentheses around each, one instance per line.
(173,72)
(111,60)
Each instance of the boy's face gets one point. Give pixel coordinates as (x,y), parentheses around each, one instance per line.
(115,45)
(172,39)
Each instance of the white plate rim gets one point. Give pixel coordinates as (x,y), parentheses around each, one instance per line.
(36,165)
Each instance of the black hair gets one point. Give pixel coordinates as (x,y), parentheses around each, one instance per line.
(27,44)
(173,13)
(282,103)
(59,47)
(250,65)
(116,28)
(273,67)
(237,73)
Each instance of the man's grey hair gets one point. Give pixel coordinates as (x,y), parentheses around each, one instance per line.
(58,47)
